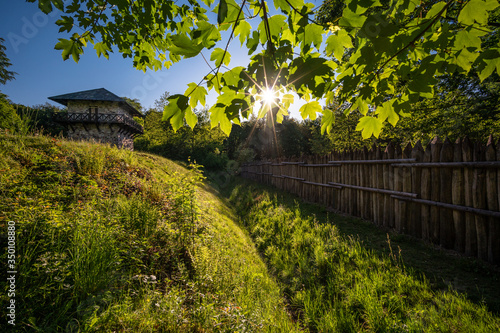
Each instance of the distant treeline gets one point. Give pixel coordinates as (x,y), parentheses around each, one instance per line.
(18,118)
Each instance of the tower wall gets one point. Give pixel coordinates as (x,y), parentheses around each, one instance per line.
(103,134)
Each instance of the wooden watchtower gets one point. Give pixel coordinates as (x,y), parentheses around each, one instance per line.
(101,116)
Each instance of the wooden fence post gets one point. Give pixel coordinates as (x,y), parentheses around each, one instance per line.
(371,178)
(498,197)
(366,182)
(491,195)
(458,198)
(379,178)
(470,224)
(389,208)
(406,207)
(331,178)
(355,194)
(426,195)
(343,180)
(479,201)
(349,176)
(398,186)
(446,228)
(435,156)
(416,187)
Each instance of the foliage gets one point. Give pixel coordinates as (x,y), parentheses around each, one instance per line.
(464,107)
(334,284)
(21,119)
(8,116)
(42,118)
(5,75)
(380,57)
(454,114)
(134,102)
(202,144)
(162,101)
(112,240)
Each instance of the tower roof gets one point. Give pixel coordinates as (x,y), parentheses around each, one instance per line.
(100,94)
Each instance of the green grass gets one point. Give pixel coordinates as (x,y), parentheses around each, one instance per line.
(342,274)
(115,241)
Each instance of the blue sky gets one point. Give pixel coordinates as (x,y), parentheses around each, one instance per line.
(30,37)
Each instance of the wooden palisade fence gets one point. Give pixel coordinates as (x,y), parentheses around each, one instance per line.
(446,193)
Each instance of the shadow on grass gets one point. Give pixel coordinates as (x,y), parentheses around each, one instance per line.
(444,269)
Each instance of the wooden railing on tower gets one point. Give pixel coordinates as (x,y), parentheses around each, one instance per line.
(121,119)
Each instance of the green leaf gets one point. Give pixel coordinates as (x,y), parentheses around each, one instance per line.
(435,9)
(386,111)
(488,62)
(313,33)
(360,6)
(102,49)
(408,6)
(362,106)
(253,42)
(233,76)
(335,44)
(184,46)
(45,6)
(466,39)
(243,30)
(227,14)
(327,121)
(285,7)
(218,117)
(369,126)
(214,82)
(310,109)
(465,59)
(476,10)
(66,23)
(287,100)
(351,19)
(191,118)
(227,97)
(279,116)
(207,33)
(305,71)
(196,93)
(222,12)
(217,56)
(423,85)
(69,47)
(276,25)
(175,110)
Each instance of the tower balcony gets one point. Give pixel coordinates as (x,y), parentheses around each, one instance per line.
(126,122)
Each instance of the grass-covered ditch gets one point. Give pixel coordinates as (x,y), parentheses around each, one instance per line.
(109,240)
(341,274)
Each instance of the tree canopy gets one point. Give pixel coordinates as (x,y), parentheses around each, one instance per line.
(375,56)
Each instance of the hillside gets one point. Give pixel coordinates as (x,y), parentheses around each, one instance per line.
(110,240)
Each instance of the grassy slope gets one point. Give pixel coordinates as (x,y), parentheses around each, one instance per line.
(110,240)
(342,274)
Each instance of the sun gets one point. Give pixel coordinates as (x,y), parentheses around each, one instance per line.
(269,96)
